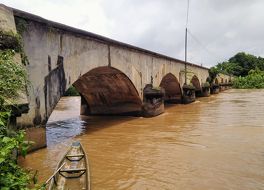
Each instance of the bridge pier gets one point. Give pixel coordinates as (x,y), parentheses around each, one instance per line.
(188,95)
(153,101)
(214,89)
(204,92)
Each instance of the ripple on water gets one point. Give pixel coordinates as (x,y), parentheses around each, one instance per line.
(216,143)
(60,131)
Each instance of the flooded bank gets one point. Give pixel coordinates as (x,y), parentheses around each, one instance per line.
(214,143)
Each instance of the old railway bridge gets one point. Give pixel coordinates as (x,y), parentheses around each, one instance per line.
(111,76)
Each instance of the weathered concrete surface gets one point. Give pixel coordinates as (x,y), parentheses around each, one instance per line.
(188,94)
(153,101)
(60,56)
(7,22)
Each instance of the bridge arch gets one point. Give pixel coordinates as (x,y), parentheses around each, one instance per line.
(103,89)
(171,85)
(216,81)
(196,83)
(107,90)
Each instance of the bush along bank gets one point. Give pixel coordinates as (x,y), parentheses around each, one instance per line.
(255,79)
(13,80)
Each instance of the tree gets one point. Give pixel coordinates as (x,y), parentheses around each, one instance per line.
(213,72)
(240,64)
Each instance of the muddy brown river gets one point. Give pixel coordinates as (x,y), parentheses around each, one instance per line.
(216,143)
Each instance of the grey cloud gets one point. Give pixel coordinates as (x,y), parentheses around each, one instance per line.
(222,27)
(219,28)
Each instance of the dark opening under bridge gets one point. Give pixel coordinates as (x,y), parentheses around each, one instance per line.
(110,75)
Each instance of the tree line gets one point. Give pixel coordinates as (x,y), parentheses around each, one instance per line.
(247,69)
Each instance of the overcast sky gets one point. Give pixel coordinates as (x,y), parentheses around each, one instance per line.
(217,28)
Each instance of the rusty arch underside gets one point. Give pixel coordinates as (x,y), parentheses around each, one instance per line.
(172,88)
(196,83)
(106,90)
(216,81)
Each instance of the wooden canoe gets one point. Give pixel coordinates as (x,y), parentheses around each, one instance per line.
(72,172)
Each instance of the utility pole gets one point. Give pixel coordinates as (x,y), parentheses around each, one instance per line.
(185,76)
(186,33)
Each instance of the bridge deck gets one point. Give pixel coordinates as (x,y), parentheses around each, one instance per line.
(29,16)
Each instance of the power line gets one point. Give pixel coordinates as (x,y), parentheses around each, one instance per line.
(202,45)
(187,31)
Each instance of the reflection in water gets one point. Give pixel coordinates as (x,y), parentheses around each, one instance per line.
(65,121)
(62,130)
(214,143)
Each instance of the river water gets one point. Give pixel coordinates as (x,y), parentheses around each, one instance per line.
(214,143)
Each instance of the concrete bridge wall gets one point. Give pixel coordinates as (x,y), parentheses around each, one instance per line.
(224,79)
(110,75)
(59,55)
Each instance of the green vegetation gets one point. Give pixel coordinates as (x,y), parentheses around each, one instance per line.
(71,92)
(213,72)
(10,40)
(255,79)
(206,85)
(189,86)
(21,25)
(240,64)
(247,69)
(13,79)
